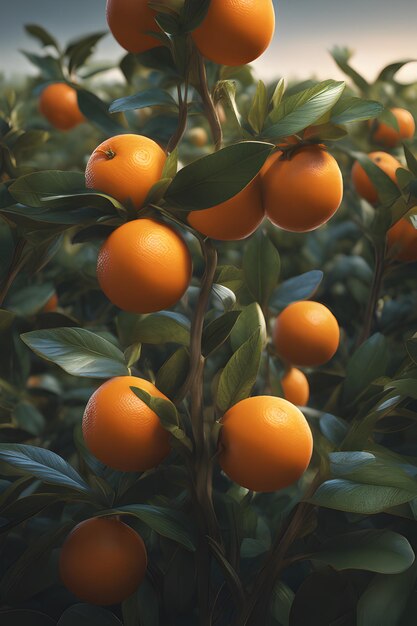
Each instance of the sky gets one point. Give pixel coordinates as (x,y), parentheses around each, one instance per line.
(379,33)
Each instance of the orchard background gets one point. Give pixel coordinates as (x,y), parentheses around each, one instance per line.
(234,250)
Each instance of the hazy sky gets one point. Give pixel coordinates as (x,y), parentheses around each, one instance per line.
(306,29)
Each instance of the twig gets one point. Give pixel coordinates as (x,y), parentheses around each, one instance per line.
(374,293)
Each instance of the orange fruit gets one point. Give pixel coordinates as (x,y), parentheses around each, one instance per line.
(306,333)
(130,21)
(103,561)
(265,443)
(390,137)
(402,241)
(295,386)
(144,266)
(198,136)
(235,32)
(125,167)
(51,305)
(361,181)
(121,430)
(59,104)
(303,191)
(234,219)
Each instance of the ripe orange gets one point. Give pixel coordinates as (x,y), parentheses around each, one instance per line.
(103,561)
(303,191)
(125,167)
(144,266)
(130,21)
(198,136)
(265,443)
(235,32)
(306,333)
(402,241)
(59,104)
(51,305)
(295,386)
(121,430)
(234,219)
(390,137)
(361,181)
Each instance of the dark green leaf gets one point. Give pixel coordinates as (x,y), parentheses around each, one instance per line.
(166,522)
(160,328)
(380,551)
(250,320)
(39,33)
(147,98)
(261,266)
(215,178)
(78,351)
(346,495)
(43,464)
(300,287)
(239,375)
(388,191)
(88,615)
(49,66)
(217,331)
(96,111)
(352,109)
(173,373)
(32,189)
(369,362)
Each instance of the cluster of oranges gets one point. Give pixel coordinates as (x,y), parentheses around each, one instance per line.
(145,266)
(402,237)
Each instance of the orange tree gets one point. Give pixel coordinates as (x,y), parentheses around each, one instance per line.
(154,461)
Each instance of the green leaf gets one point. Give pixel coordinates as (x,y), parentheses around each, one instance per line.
(31,299)
(282,599)
(239,375)
(88,615)
(194,13)
(411,346)
(147,98)
(250,320)
(49,66)
(96,111)
(371,469)
(29,559)
(24,508)
(173,373)
(43,464)
(78,351)
(346,495)
(225,295)
(381,551)
(215,178)
(388,191)
(277,95)
(386,598)
(369,362)
(342,57)
(387,74)
(352,109)
(32,189)
(411,160)
(261,266)
(166,522)
(303,109)
(216,332)
(160,328)
(25,617)
(79,51)
(259,108)
(42,35)
(300,287)
(148,605)
(167,413)
(29,418)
